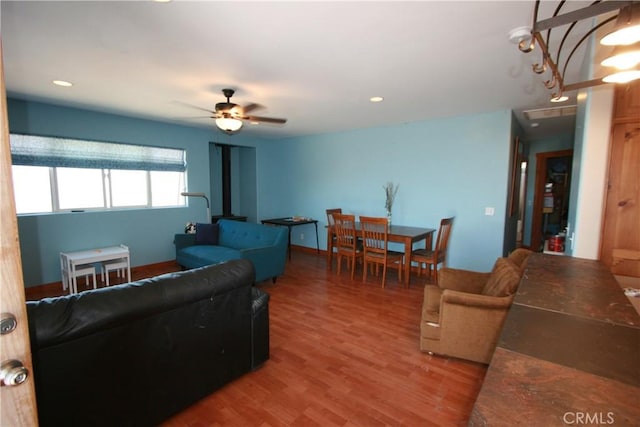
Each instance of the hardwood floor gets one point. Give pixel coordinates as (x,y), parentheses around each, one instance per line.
(343,353)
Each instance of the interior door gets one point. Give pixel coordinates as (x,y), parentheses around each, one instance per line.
(18,402)
(620,243)
(621,229)
(559,194)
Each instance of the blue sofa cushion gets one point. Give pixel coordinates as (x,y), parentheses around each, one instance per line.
(246,235)
(199,255)
(207,234)
(264,246)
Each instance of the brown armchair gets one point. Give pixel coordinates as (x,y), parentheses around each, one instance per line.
(463,316)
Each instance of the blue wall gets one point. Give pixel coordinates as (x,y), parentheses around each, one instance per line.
(147,232)
(446,167)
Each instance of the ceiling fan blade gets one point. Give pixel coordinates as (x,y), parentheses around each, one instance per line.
(265,119)
(194,106)
(250,107)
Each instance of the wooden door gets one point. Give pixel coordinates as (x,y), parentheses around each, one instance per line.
(18,402)
(537,215)
(620,248)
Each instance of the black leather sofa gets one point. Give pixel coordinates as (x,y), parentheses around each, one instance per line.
(135,354)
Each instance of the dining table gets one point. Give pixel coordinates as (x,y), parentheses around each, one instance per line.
(404,234)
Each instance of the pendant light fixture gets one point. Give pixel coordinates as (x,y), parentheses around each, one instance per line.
(627,29)
(625,36)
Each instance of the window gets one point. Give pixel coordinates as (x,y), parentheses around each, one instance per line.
(32,188)
(58,174)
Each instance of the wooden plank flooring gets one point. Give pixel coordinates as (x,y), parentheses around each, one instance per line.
(343,353)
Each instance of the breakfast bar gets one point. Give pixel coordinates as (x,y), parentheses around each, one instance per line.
(568,352)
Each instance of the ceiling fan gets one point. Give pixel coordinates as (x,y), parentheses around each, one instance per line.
(229,116)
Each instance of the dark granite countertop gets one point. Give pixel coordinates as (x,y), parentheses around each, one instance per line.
(569,352)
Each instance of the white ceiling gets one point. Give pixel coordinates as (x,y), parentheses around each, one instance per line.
(314,63)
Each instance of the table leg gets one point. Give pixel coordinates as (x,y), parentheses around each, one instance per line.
(317,242)
(289,241)
(408,246)
(329,248)
(64,272)
(73,282)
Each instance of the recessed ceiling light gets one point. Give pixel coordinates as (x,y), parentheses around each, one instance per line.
(376,99)
(535,125)
(63,83)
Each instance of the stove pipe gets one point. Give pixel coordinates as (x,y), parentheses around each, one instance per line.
(226,180)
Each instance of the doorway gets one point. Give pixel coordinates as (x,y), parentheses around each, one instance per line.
(551,196)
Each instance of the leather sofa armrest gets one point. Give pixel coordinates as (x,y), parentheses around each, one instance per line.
(259,300)
(462,280)
(259,327)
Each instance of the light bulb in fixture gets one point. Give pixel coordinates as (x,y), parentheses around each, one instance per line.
(624,57)
(625,76)
(627,29)
(228,124)
(62,83)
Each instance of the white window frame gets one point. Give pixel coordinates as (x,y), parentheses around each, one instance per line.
(58,145)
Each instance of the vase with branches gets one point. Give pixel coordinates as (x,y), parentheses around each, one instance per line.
(390,190)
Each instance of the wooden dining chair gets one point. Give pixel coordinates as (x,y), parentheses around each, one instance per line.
(375,247)
(331,236)
(347,241)
(434,257)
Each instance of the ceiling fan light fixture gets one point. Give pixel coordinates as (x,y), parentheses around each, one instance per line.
(228,124)
(624,57)
(559,98)
(627,29)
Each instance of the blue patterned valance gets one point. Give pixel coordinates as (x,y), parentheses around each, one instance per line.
(31,150)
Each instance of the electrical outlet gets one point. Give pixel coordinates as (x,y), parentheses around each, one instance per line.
(489,211)
(301,236)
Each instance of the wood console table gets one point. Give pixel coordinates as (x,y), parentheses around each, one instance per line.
(569,352)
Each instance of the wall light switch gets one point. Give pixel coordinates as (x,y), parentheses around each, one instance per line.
(489,211)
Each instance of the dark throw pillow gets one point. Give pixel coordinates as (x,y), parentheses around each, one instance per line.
(207,234)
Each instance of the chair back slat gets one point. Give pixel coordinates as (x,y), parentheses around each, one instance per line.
(330,213)
(375,232)
(345,229)
(375,235)
(442,241)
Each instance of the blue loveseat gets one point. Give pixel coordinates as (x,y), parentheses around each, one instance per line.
(264,246)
